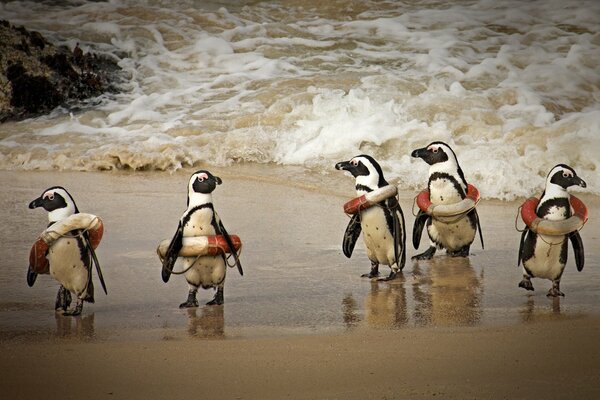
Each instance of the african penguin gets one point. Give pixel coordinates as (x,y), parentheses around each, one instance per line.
(446,185)
(546,256)
(200,219)
(69,257)
(382,225)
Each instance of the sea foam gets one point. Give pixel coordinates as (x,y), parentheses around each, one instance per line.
(513,87)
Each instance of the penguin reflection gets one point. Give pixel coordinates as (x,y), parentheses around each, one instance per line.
(530,313)
(447,292)
(386,305)
(210,324)
(77,328)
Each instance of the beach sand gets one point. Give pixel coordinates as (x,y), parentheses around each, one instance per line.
(300,323)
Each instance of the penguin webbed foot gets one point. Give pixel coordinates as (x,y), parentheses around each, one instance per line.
(76,311)
(218,299)
(191,300)
(374,273)
(63,300)
(393,275)
(464,252)
(555,290)
(526,284)
(426,255)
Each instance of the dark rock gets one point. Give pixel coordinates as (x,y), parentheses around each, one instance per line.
(36,76)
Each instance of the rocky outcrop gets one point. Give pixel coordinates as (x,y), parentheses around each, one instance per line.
(36,76)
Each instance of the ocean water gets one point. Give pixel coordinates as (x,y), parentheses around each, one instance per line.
(512,86)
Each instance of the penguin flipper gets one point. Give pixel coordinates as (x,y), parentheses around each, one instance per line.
(231,247)
(418,227)
(521,244)
(479,228)
(96,263)
(172,253)
(399,232)
(31,276)
(351,235)
(577,249)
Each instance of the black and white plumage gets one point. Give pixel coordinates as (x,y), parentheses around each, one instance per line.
(200,219)
(70,257)
(446,185)
(545,256)
(382,225)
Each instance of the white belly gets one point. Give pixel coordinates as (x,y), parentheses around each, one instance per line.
(545,262)
(379,242)
(453,236)
(66,267)
(207,271)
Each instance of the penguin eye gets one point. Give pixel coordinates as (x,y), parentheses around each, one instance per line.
(354,162)
(567,174)
(49,196)
(434,149)
(202,177)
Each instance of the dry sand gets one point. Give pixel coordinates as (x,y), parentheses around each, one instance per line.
(300,324)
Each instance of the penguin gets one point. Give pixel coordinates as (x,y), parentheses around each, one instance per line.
(546,256)
(382,226)
(446,185)
(200,219)
(70,257)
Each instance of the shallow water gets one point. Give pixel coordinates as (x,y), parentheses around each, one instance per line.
(513,86)
(297,281)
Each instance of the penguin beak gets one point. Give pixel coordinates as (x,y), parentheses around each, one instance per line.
(36,203)
(578,181)
(419,153)
(218,180)
(343,166)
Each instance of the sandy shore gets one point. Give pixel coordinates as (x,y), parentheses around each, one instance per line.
(300,323)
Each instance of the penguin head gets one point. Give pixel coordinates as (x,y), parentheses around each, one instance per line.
(436,153)
(441,158)
(562,177)
(57,201)
(202,183)
(365,170)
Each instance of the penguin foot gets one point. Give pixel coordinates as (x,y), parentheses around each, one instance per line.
(390,277)
(554,292)
(63,299)
(426,255)
(374,271)
(76,311)
(217,300)
(372,274)
(464,252)
(526,284)
(191,300)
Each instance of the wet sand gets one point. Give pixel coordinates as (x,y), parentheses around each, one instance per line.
(300,323)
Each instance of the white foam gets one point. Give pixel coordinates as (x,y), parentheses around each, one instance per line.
(511,86)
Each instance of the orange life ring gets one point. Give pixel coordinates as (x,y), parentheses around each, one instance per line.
(449,210)
(37,255)
(556,228)
(194,246)
(370,199)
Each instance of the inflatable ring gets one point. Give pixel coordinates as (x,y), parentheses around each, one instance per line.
(448,210)
(194,246)
(82,221)
(370,199)
(554,228)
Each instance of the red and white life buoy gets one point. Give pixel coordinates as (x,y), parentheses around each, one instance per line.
(194,246)
(448,210)
(370,199)
(556,228)
(82,221)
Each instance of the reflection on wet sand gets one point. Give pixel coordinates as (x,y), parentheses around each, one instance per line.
(210,324)
(386,304)
(81,327)
(447,291)
(548,309)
